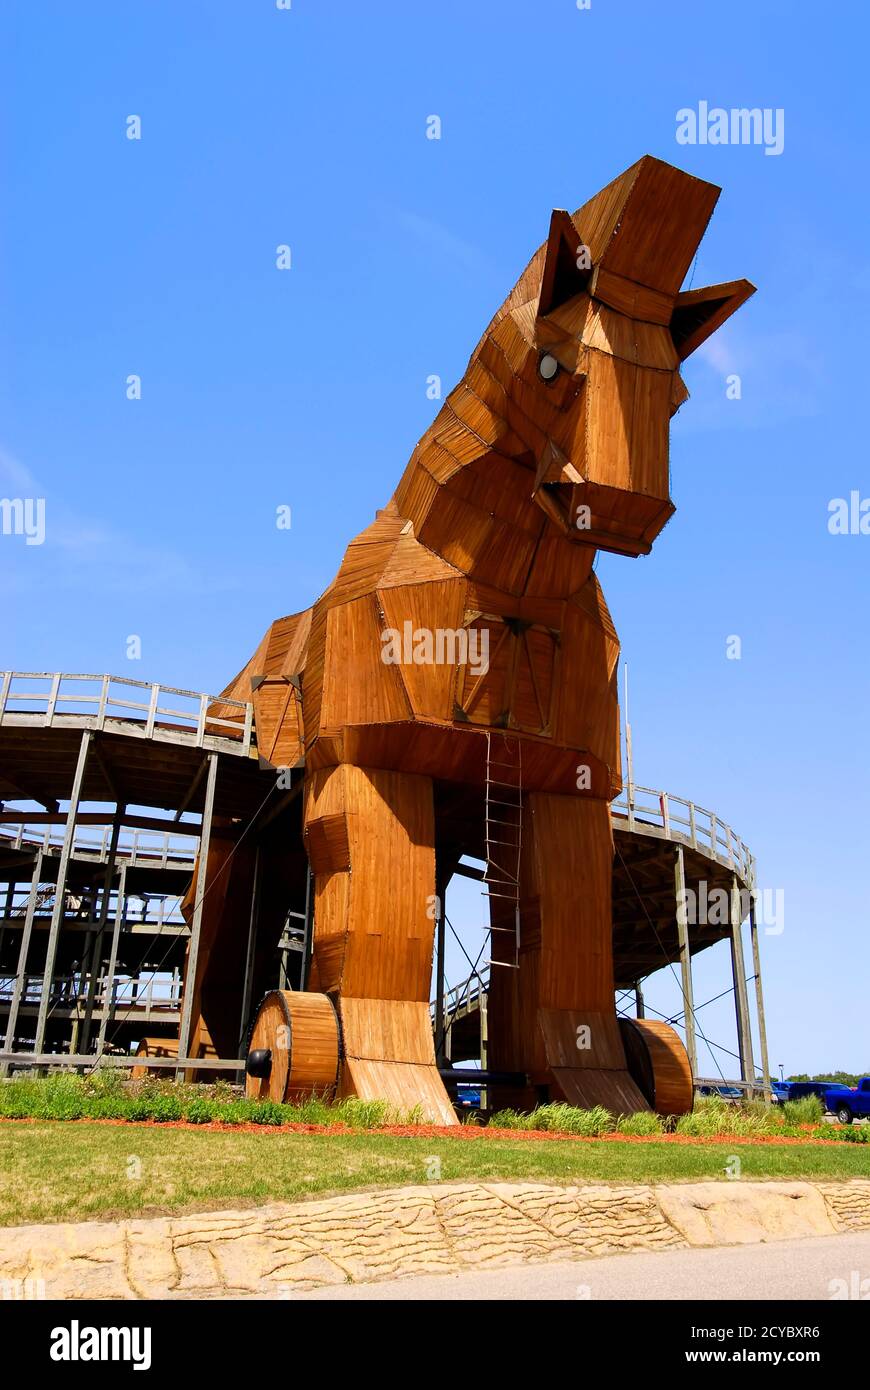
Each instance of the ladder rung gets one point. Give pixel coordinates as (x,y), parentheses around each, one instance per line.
(500,880)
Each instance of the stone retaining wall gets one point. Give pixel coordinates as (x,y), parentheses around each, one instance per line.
(274,1251)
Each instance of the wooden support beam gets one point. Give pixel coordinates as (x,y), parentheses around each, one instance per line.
(108,775)
(113,960)
(441,1044)
(639,1008)
(60,895)
(649,895)
(308,939)
(741,1002)
(286,800)
(685,957)
(196,922)
(106,818)
(759,998)
(96,944)
(469,871)
(21,973)
(191,790)
(251,950)
(633,860)
(67,1061)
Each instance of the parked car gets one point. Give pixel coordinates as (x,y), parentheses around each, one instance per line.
(468,1095)
(849,1103)
(796,1090)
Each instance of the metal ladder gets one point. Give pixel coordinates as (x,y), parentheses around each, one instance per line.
(504,834)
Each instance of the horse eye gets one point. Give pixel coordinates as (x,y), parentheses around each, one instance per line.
(548,367)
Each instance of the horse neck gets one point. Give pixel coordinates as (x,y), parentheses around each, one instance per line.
(471,503)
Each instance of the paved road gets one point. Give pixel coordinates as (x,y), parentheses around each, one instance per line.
(781,1271)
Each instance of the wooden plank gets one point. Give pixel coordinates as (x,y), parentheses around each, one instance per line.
(698,313)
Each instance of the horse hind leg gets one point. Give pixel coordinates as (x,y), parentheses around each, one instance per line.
(554,1018)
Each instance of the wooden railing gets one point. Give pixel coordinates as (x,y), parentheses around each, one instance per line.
(674,818)
(158,911)
(462,998)
(145,848)
(94,701)
(133,996)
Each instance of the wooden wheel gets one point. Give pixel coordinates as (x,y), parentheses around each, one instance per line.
(658,1064)
(293,1050)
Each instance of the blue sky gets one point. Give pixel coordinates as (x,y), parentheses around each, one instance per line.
(306,388)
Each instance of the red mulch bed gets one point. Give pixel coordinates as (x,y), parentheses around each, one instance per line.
(446,1132)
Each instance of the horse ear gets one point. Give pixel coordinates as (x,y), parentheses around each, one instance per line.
(698,313)
(567,265)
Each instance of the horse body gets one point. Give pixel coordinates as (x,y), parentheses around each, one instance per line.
(553,445)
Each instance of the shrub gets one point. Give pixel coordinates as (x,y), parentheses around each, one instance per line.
(233,1112)
(110,1106)
(362,1114)
(62,1098)
(570,1119)
(807,1110)
(313,1111)
(510,1119)
(267,1112)
(156,1104)
(564,1119)
(17,1099)
(855,1134)
(109,1094)
(713,1115)
(641,1122)
(199,1112)
(106,1081)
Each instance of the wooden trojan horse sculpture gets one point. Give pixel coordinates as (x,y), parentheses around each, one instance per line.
(553,445)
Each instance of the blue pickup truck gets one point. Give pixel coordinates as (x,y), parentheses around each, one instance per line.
(849,1103)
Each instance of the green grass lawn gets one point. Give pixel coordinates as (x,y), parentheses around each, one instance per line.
(52,1171)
